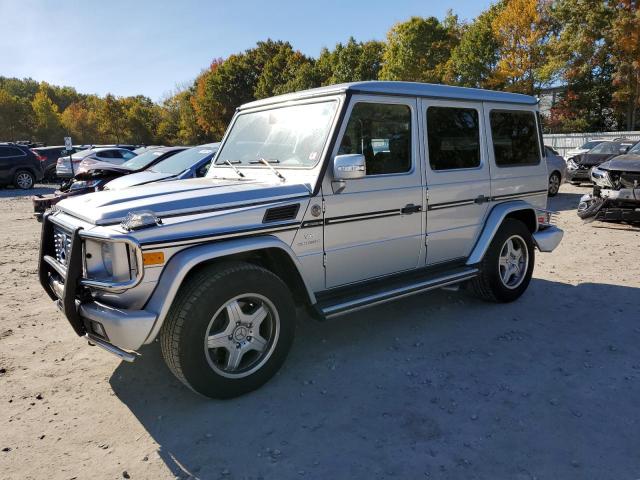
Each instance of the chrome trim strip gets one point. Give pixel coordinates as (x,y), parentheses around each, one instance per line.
(118,352)
(362,216)
(394,294)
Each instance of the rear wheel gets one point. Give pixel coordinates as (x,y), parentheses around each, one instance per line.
(554,184)
(507,266)
(229,329)
(24,179)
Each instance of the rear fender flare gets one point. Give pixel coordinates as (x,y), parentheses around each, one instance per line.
(494,220)
(186,260)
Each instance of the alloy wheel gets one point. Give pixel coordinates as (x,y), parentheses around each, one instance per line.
(24,180)
(242,335)
(513,261)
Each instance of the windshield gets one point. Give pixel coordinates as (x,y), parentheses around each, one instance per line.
(287,136)
(606,147)
(183,160)
(142,160)
(591,144)
(635,149)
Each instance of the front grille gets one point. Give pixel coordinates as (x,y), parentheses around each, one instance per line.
(61,245)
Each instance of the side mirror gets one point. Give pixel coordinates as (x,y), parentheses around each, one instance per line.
(349,167)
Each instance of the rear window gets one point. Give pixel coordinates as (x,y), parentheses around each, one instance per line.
(515,138)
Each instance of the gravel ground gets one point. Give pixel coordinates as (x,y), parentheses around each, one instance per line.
(436,386)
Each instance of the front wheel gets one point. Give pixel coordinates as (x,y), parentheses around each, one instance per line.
(507,266)
(229,329)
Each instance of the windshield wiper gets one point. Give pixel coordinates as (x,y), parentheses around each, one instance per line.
(235,169)
(265,162)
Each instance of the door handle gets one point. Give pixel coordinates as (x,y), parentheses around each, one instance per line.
(481,199)
(410,208)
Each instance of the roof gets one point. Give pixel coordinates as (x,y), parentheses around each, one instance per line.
(412,89)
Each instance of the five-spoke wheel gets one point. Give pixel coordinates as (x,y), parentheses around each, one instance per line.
(513,262)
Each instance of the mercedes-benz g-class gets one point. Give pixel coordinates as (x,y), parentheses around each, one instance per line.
(333,199)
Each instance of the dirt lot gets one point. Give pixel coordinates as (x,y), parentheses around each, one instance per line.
(436,386)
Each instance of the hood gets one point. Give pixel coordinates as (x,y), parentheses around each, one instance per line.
(623,163)
(97,169)
(140,178)
(592,159)
(173,198)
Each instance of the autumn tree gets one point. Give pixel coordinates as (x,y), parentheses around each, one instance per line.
(625,37)
(521,29)
(46,119)
(110,118)
(80,123)
(15,117)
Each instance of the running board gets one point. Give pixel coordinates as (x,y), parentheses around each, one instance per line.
(334,307)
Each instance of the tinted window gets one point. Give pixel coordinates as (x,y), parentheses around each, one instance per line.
(144,159)
(453,136)
(105,154)
(10,152)
(590,145)
(636,149)
(382,133)
(515,138)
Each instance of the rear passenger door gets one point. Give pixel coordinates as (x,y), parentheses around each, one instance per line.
(457,177)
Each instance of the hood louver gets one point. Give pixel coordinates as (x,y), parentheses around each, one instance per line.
(278,214)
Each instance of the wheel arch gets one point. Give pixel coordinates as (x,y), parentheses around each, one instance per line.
(268,252)
(517,209)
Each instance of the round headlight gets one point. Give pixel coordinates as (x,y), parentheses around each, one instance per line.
(107,258)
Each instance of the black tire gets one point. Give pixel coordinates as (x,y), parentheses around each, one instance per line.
(554,184)
(24,180)
(488,285)
(189,320)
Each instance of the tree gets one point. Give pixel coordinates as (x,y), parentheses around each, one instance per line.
(625,36)
(15,114)
(474,60)
(351,62)
(110,117)
(47,126)
(418,50)
(521,31)
(142,117)
(286,71)
(80,123)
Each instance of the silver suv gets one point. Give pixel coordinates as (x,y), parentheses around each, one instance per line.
(333,199)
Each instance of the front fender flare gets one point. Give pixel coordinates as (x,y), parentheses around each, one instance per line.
(184,261)
(493,222)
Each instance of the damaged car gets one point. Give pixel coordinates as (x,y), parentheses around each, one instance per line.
(579,166)
(616,191)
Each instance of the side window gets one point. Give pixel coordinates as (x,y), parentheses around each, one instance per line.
(382,133)
(453,135)
(515,138)
(105,154)
(5,152)
(116,154)
(203,169)
(128,155)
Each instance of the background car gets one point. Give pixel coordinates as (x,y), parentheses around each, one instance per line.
(105,154)
(585,147)
(557,168)
(49,157)
(19,166)
(579,166)
(193,162)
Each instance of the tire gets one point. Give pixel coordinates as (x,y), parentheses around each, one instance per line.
(24,180)
(554,184)
(489,284)
(204,308)
(50,175)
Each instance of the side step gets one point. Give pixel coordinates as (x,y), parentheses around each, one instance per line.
(393,289)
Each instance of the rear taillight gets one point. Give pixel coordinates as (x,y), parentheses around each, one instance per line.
(42,158)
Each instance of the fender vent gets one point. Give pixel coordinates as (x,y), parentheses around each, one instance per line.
(278,214)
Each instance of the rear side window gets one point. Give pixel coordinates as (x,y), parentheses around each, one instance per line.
(453,135)
(515,138)
(11,152)
(382,133)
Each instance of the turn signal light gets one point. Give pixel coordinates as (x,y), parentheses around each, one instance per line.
(153,258)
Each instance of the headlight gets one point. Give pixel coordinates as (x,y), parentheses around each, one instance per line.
(571,164)
(109,260)
(78,184)
(601,177)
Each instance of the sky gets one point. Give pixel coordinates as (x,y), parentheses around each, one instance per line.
(151,47)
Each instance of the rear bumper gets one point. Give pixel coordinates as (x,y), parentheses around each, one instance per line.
(548,239)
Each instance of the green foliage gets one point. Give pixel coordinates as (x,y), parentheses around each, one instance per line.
(350,62)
